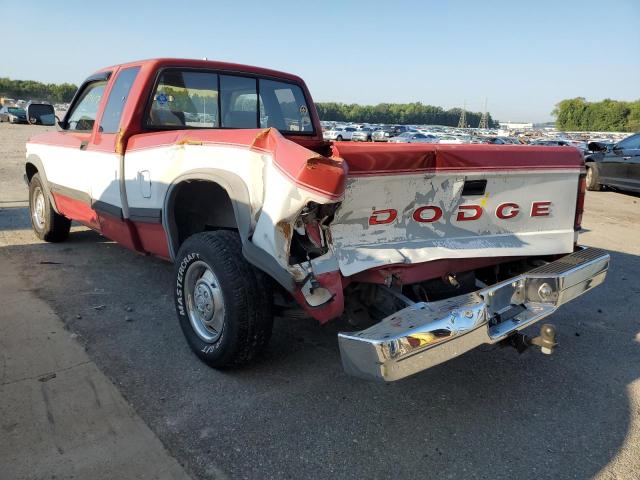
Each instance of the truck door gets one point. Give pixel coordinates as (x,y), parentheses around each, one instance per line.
(67,163)
(106,180)
(630,149)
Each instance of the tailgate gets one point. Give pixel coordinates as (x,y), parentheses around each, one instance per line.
(410,204)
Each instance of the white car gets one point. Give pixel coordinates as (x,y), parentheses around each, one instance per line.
(450,139)
(339,134)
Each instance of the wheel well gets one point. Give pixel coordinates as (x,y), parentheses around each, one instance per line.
(197,206)
(31,170)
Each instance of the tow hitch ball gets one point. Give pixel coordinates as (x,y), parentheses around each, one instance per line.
(546,340)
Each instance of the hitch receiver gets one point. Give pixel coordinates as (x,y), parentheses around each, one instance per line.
(546,340)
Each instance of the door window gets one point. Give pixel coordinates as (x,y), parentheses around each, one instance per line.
(84,113)
(110,121)
(630,143)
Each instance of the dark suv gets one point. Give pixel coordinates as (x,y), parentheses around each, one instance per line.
(616,165)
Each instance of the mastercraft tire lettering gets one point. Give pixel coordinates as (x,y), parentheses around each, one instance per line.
(222,302)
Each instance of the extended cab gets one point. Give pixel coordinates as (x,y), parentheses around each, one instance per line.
(427,250)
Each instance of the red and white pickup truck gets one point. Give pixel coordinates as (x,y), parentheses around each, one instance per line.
(428,250)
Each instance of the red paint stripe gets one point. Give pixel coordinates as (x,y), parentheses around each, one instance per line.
(77,210)
(153,239)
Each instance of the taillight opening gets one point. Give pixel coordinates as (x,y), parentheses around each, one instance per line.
(582,189)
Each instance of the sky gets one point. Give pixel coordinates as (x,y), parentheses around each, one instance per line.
(522,56)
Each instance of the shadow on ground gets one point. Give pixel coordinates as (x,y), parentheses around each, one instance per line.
(295,414)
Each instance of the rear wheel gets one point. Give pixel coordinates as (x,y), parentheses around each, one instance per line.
(47,224)
(339,138)
(223,303)
(593,179)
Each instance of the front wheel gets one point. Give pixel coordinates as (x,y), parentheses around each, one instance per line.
(339,138)
(593,179)
(47,224)
(223,303)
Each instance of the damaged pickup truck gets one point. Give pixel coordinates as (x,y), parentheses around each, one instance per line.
(427,250)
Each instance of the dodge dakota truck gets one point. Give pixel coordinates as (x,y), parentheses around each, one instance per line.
(424,251)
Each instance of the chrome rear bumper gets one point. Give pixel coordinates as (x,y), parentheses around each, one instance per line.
(428,333)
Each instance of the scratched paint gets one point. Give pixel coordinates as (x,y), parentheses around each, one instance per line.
(359,246)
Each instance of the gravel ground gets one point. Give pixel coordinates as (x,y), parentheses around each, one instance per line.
(487,414)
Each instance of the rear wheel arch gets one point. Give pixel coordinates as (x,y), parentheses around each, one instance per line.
(34,165)
(205,200)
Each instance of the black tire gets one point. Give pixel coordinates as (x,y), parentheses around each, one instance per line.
(246,297)
(339,138)
(593,179)
(47,224)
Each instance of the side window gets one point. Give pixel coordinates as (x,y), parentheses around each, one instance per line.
(184,98)
(630,143)
(284,107)
(110,121)
(238,102)
(84,113)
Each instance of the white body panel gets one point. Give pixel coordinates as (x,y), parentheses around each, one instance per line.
(273,197)
(360,246)
(87,171)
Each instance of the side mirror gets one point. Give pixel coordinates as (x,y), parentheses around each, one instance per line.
(41,114)
(596,147)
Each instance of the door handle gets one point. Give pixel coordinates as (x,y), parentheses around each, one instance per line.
(626,158)
(83,145)
(144,179)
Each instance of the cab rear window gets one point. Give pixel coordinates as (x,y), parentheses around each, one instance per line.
(205,99)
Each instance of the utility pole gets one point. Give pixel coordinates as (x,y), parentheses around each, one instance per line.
(463,116)
(484,120)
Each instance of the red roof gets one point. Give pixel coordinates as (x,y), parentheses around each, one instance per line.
(193,63)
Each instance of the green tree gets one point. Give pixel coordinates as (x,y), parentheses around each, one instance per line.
(576,114)
(396,113)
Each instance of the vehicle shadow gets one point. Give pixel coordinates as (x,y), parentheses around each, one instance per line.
(490,413)
(14,218)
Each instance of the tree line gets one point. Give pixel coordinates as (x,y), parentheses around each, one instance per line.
(32,90)
(576,114)
(397,113)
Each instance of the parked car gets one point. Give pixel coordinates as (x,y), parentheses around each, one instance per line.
(552,142)
(450,139)
(414,137)
(502,141)
(339,134)
(384,134)
(431,254)
(616,165)
(13,115)
(363,135)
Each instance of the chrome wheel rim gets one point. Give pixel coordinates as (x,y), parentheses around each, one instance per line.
(205,304)
(37,209)
(589,176)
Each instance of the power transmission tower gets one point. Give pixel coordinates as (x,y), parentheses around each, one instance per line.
(463,116)
(484,120)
